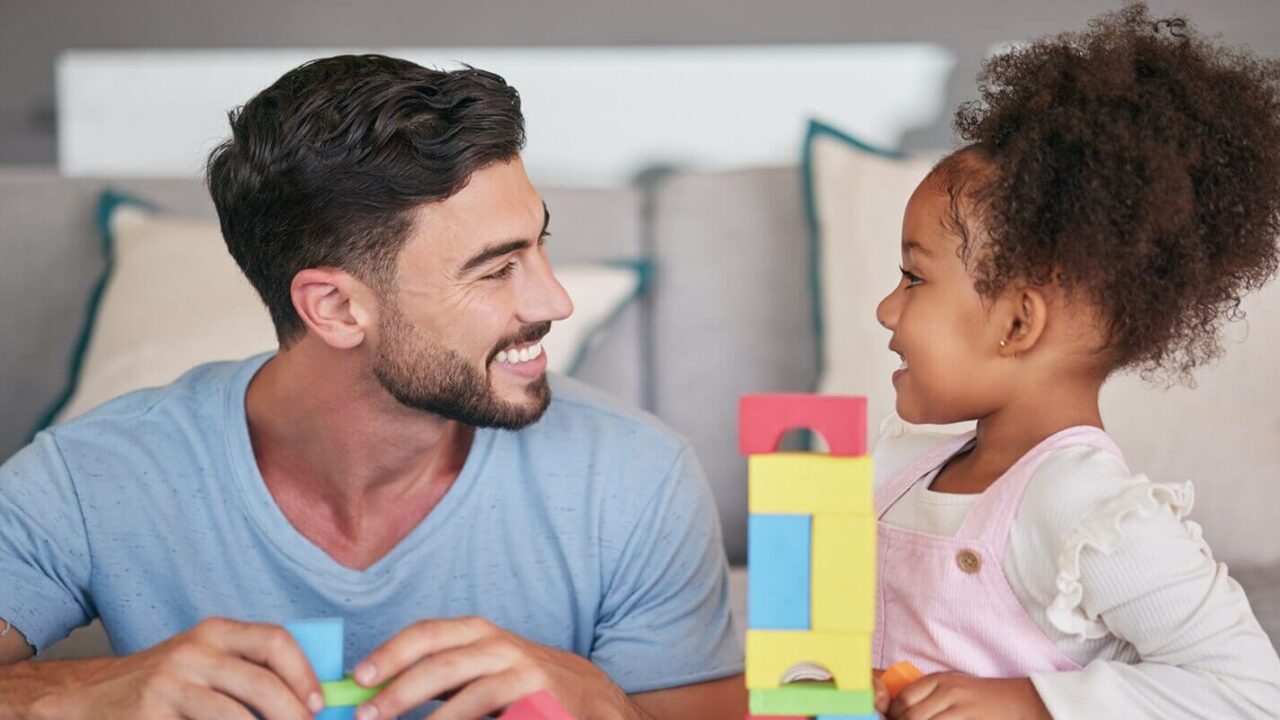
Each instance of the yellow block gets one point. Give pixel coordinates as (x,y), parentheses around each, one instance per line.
(808,484)
(843,581)
(771,653)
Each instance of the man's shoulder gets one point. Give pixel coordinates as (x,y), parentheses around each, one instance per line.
(197,392)
(590,413)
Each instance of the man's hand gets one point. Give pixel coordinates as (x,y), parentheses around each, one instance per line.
(214,670)
(955,696)
(488,667)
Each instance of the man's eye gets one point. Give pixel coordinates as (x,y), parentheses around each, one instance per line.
(505,272)
(912,278)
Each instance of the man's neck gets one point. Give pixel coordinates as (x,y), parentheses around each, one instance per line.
(353,470)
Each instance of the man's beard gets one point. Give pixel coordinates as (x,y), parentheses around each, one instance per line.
(436,379)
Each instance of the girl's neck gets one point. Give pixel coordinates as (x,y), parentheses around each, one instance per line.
(1004,436)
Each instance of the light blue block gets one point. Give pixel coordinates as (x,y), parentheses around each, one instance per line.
(872,716)
(778,580)
(321,641)
(337,713)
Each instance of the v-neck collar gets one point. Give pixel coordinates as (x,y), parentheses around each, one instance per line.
(261,507)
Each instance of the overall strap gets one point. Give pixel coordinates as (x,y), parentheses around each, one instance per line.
(897,486)
(991,517)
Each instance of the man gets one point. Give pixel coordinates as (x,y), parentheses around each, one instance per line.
(401,461)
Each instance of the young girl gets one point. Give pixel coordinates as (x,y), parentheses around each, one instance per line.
(1119,193)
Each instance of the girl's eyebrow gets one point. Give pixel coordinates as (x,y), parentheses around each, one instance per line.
(911,245)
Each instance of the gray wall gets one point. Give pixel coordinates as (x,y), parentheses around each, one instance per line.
(33,32)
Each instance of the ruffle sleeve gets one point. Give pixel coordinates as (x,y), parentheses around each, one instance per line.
(1103,530)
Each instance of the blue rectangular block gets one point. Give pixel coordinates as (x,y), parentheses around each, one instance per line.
(337,713)
(321,641)
(778,552)
(872,716)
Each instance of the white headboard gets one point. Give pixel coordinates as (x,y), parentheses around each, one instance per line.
(595,116)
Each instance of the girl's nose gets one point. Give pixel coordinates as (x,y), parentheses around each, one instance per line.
(887,311)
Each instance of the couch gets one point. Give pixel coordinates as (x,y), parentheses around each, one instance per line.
(729,309)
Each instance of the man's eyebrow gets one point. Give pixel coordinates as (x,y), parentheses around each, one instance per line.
(503,248)
(910,245)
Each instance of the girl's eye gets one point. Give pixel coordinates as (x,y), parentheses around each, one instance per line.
(505,272)
(912,278)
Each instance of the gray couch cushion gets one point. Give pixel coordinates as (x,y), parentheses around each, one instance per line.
(732,313)
(1262,585)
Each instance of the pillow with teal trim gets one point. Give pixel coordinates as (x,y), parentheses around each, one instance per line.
(173,298)
(856,195)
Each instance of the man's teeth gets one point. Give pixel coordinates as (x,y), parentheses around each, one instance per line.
(506,357)
(903,366)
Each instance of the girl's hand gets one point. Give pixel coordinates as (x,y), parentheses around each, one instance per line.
(955,696)
(882,698)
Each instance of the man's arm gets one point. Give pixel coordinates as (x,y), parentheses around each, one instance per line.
(716,700)
(13,645)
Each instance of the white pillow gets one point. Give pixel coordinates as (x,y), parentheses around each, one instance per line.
(174,298)
(1224,435)
(857,197)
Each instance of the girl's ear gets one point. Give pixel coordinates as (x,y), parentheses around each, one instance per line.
(1025,322)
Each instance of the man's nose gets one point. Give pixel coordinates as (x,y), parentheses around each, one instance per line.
(544,298)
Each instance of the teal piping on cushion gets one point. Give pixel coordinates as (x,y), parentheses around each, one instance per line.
(108,200)
(817,129)
(644,270)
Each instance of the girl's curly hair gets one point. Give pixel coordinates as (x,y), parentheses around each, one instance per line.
(1135,163)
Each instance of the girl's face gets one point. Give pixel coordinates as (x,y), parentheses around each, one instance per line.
(942,328)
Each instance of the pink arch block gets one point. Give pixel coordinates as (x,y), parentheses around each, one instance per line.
(764,419)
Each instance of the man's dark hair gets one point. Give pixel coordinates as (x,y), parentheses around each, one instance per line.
(325,167)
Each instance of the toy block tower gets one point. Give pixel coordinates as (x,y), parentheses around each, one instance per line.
(811,543)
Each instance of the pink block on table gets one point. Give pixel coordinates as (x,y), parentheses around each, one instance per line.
(841,420)
(541,705)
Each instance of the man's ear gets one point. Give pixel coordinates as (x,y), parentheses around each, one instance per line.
(1028,312)
(334,305)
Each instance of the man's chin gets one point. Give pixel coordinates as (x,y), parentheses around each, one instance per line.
(518,407)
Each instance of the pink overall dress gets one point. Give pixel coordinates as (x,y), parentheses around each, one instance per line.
(944,602)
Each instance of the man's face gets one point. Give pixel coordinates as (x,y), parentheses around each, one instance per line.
(458,335)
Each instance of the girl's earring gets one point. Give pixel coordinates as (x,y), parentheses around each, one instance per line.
(1003,343)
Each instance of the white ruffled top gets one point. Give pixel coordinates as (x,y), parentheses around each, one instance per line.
(1108,567)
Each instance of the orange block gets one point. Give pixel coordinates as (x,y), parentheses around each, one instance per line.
(899,676)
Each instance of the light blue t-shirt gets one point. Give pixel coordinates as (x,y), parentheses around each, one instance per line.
(592,530)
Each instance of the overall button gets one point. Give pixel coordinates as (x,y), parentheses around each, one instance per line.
(969,561)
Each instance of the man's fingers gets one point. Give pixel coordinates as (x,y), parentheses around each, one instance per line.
(206,704)
(258,687)
(486,696)
(270,646)
(439,673)
(418,641)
